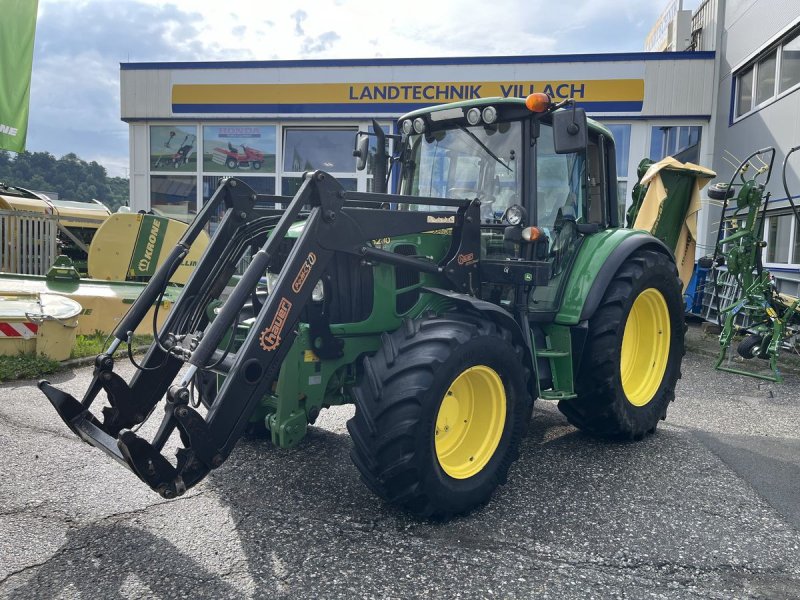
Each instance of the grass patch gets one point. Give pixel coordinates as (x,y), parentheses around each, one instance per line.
(30,366)
(26,366)
(97,342)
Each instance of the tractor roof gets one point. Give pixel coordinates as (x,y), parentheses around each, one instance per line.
(599,127)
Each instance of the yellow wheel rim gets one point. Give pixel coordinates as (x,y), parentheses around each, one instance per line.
(645,347)
(470,422)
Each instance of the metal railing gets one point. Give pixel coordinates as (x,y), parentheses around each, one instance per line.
(27,242)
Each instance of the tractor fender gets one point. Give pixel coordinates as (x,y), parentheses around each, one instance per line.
(612,264)
(499,315)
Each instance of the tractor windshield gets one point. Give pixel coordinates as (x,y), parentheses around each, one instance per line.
(467,162)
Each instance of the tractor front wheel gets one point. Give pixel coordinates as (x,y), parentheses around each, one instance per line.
(439,414)
(633,352)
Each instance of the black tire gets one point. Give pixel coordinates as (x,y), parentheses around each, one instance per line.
(231,163)
(397,406)
(256,164)
(748,347)
(754,346)
(602,407)
(720,191)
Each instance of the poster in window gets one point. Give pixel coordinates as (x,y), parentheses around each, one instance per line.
(235,148)
(173,148)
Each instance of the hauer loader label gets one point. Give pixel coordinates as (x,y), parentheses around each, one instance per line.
(148,246)
(270,338)
(302,275)
(467,259)
(448,220)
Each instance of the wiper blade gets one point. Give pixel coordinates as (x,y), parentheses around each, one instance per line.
(484,146)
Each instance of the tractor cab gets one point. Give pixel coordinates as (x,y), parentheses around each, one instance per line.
(541,174)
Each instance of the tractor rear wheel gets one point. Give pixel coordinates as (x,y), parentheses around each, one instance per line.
(632,358)
(439,414)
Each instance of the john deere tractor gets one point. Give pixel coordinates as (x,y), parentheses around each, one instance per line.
(497,273)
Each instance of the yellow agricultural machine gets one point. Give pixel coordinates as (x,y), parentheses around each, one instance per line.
(35,229)
(80,251)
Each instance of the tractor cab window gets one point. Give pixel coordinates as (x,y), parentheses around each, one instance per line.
(561,204)
(467,162)
(560,182)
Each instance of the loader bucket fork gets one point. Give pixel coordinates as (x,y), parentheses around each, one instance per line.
(190,338)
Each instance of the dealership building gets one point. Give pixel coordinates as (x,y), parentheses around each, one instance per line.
(706,90)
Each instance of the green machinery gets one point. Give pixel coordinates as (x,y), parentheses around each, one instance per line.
(772,318)
(496,274)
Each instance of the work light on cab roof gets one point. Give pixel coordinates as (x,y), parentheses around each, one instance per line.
(538,102)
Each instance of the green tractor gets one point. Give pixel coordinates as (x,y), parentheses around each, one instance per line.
(498,273)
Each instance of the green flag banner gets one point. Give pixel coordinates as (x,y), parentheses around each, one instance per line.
(17,30)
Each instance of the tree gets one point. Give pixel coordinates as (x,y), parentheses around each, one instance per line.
(70,176)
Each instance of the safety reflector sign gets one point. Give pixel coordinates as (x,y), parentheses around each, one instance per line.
(23,330)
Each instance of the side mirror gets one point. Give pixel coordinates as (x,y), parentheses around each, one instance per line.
(570,131)
(361,151)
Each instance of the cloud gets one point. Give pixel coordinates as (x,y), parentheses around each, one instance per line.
(75,82)
(299,16)
(322,43)
(80,43)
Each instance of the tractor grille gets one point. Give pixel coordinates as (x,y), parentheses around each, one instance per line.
(404,277)
(348,289)
(351,289)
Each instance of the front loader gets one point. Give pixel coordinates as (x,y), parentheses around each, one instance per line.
(497,273)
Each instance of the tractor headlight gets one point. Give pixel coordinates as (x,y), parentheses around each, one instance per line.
(318,293)
(405,126)
(490,114)
(515,214)
(419,125)
(474,116)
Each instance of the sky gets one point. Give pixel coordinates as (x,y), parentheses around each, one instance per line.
(75,105)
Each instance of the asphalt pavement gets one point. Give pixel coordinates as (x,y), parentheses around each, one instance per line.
(709,507)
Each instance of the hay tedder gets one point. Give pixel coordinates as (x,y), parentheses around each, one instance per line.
(769,319)
(498,273)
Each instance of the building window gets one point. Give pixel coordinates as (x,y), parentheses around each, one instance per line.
(775,71)
(235,149)
(783,243)
(682,142)
(312,148)
(622,148)
(174,196)
(765,77)
(173,148)
(744,92)
(290,185)
(796,253)
(790,63)
(309,149)
(261,185)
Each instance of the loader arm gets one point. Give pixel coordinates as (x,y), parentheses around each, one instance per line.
(189,339)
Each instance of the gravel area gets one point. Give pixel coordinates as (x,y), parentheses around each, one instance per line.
(709,507)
